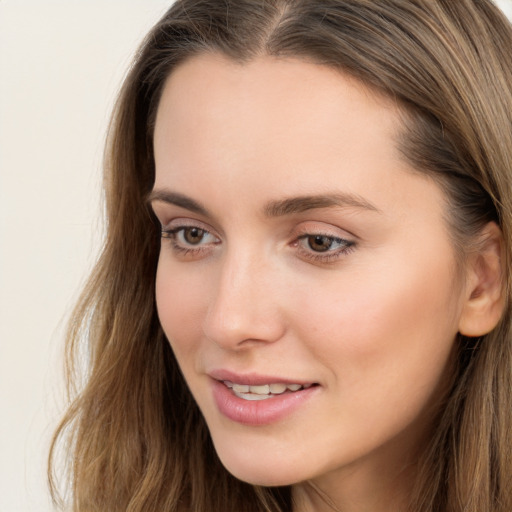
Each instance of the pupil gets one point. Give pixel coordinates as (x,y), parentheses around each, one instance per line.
(319,243)
(194,235)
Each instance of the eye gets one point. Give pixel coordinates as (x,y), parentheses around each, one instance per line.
(190,240)
(192,236)
(321,243)
(323,248)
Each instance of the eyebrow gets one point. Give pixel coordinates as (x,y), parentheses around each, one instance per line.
(304,203)
(280,208)
(181,200)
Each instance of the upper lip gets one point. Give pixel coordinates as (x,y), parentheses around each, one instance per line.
(253,379)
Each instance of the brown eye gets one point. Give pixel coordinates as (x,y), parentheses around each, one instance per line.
(190,242)
(320,243)
(193,236)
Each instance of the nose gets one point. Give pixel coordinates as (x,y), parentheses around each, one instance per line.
(245,308)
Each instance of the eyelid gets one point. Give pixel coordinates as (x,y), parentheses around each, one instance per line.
(184,222)
(324,229)
(168,214)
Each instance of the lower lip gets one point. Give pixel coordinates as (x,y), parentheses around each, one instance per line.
(258,412)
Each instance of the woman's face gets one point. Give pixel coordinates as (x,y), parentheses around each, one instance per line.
(307,282)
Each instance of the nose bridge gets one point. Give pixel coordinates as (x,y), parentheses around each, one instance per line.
(243,306)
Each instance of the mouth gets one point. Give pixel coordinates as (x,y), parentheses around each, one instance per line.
(264,391)
(257,400)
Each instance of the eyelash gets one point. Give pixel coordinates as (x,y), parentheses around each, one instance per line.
(346,246)
(172,235)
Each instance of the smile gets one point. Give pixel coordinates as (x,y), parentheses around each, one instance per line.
(256,399)
(265,391)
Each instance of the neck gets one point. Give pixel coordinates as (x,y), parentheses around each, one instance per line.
(379,483)
(353,494)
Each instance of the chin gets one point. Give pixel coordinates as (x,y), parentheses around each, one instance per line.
(263,477)
(265,471)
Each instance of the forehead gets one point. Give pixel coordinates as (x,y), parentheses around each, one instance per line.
(266,89)
(276,126)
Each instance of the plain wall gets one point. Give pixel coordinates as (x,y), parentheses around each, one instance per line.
(61,63)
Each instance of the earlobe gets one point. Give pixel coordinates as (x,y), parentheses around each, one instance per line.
(484,301)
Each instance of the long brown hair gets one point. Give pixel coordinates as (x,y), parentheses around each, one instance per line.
(135,438)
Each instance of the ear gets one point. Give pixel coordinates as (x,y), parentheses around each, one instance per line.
(484,301)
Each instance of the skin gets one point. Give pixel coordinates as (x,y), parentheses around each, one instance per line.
(373,325)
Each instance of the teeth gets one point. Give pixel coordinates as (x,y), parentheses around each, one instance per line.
(240,388)
(262,392)
(252,396)
(277,389)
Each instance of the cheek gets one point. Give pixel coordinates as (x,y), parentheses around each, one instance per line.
(180,301)
(386,334)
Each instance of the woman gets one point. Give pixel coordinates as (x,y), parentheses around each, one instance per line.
(325,323)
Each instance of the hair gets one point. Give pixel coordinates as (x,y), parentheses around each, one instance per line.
(134,436)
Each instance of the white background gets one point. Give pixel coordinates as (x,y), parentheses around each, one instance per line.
(61,63)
